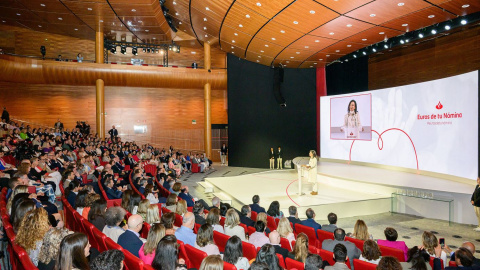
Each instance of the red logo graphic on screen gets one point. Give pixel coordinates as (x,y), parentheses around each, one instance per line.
(439,106)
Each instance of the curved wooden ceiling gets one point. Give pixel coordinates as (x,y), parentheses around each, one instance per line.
(296,33)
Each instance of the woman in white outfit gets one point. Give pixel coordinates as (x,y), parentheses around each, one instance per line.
(312,171)
(352,124)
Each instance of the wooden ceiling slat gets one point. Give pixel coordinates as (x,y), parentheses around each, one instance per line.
(283,35)
(259,46)
(418,20)
(460,7)
(236,18)
(341,28)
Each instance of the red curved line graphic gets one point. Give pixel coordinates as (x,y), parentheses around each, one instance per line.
(380,147)
(286,190)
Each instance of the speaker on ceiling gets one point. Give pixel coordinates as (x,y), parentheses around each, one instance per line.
(277,86)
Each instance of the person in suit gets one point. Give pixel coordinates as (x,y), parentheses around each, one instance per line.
(111,193)
(279,158)
(475,201)
(340,257)
(245,217)
(130,239)
(468,245)
(271,156)
(223,154)
(59,125)
(113,132)
(339,238)
(184,195)
(198,212)
(215,203)
(310,221)
(293,218)
(255,206)
(332,220)
(464,259)
(274,238)
(5,115)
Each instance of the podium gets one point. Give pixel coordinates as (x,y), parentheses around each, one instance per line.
(300,163)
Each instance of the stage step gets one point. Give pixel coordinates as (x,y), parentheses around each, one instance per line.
(208,188)
(224,198)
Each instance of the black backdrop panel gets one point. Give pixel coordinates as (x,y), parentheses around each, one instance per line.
(347,77)
(256,121)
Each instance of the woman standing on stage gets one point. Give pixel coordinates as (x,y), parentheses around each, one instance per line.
(352,124)
(312,171)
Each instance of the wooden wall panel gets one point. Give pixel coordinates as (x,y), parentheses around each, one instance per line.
(442,57)
(24,41)
(167,113)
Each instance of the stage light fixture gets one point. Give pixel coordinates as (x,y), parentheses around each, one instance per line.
(402,41)
(407,40)
(354,56)
(123,49)
(364,53)
(463,21)
(447,27)
(144,49)
(420,35)
(113,50)
(134,51)
(374,50)
(385,46)
(434,31)
(148,50)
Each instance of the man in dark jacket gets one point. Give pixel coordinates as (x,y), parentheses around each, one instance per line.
(130,239)
(255,206)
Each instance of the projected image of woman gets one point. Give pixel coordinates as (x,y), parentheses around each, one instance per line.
(352,125)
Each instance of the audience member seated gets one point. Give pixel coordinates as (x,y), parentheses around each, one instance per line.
(274,210)
(360,231)
(268,256)
(153,214)
(339,238)
(258,238)
(111,192)
(71,192)
(199,214)
(108,260)
(113,218)
(47,257)
(274,238)
(185,233)
(464,259)
(25,205)
(255,206)
(126,198)
(142,208)
(150,194)
(468,245)
(96,215)
(285,230)
(300,250)
(371,253)
(245,217)
(231,226)
(263,218)
(73,252)
(212,262)
(430,243)
(233,253)
(205,242)
(33,228)
(147,251)
(332,223)
(213,219)
(224,208)
(167,220)
(185,195)
(89,200)
(133,203)
(418,259)
(166,255)
(293,218)
(340,257)
(215,203)
(388,263)
(181,208)
(171,203)
(80,201)
(130,239)
(314,262)
(310,221)
(391,235)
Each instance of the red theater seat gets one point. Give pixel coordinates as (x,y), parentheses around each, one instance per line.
(292,264)
(249,251)
(358,243)
(358,264)
(220,240)
(322,235)
(196,256)
(388,251)
(285,244)
(228,266)
(309,231)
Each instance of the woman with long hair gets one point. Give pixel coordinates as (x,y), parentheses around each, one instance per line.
(418,259)
(213,219)
(171,203)
(263,218)
(150,194)
(134,202)
(389,263)
(80,201)
(205,241)
(142,208)
(371,252)
(212,262)
(360,231)
(232,227)
(96,215)
(312,171)
(32,229)
(168,219)
(300,250)
(89,200)
(181,207)
(126,198)
(49,250)
(430,243)
(147,251)
(17,190)
(153,214)
(285,230)
(166,255)
(233,253)
(21,210)
(73,253)
(268,256)
(274,210)
(352,125)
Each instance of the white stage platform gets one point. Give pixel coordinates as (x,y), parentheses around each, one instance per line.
(352,190)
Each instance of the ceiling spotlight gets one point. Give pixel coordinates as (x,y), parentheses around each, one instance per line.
(240,25)
(385,46)
(204,28)
(113,50)
(273,38)
(233,41)
(407,40)
(282,31)
(123,49)
(295,22)
(355,56)
(374,50)
(402,41)
(18,14)
(364,39)
(434,31)
(337,50)
(133,10)
(204,19)
(364,53)
(206,8)
(332,33)
(372,15)
(316,40)
(134,51)
(235,34)
(463,22)
(206,35)
(381,33)
(266,45)
(176,14)
(431,16)
(349,25)
(306,47)
(60,18)
(349,45)
(292,57)
(312,11)
(420,35)
(39,26)
(76,29)
(400,4)
(44,5)
(405,24)
(247,16)
(259,4)
(447,27)
(465,6)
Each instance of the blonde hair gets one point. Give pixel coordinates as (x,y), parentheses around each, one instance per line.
(212,262)
(153,214)
(262,217)
(51,244)
(301,247)
(156,233)
(231,218)
(284,228)
(18,189)
(360,230)
(32,228)
(181,207)
(429,241)
(143,207)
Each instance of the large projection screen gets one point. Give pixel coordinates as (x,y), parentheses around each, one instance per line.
(430,126)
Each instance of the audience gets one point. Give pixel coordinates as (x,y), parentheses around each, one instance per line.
(212,262)
(96,215)
(153,214)
(171,203)
(388,263)
(166,255)
(142,208)
(130,239)
(274,238)
(25,205)
(181,207)
(49,251)
(274,210)
(198,212)
(205,240)
(300,250)
(371,253)
(314,262)
(285,230)
(147,251)
(263,218)
(233,253)
(255,206)
(213,219)
(113,218)
(268,256)
(417,259)
(293,218)
(391,235)
(133,203)
(332,223)
(245,217)
(231,226)
(167,220)
(360,231)
(108,260)
(80,201)
(185,232)
(430,243)
(258,238)
(468,245)
(33,228)
(73,252)
(339,238)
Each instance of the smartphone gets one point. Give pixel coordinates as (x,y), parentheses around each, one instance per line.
(442,242)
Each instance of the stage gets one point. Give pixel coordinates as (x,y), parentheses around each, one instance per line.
(352,190)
